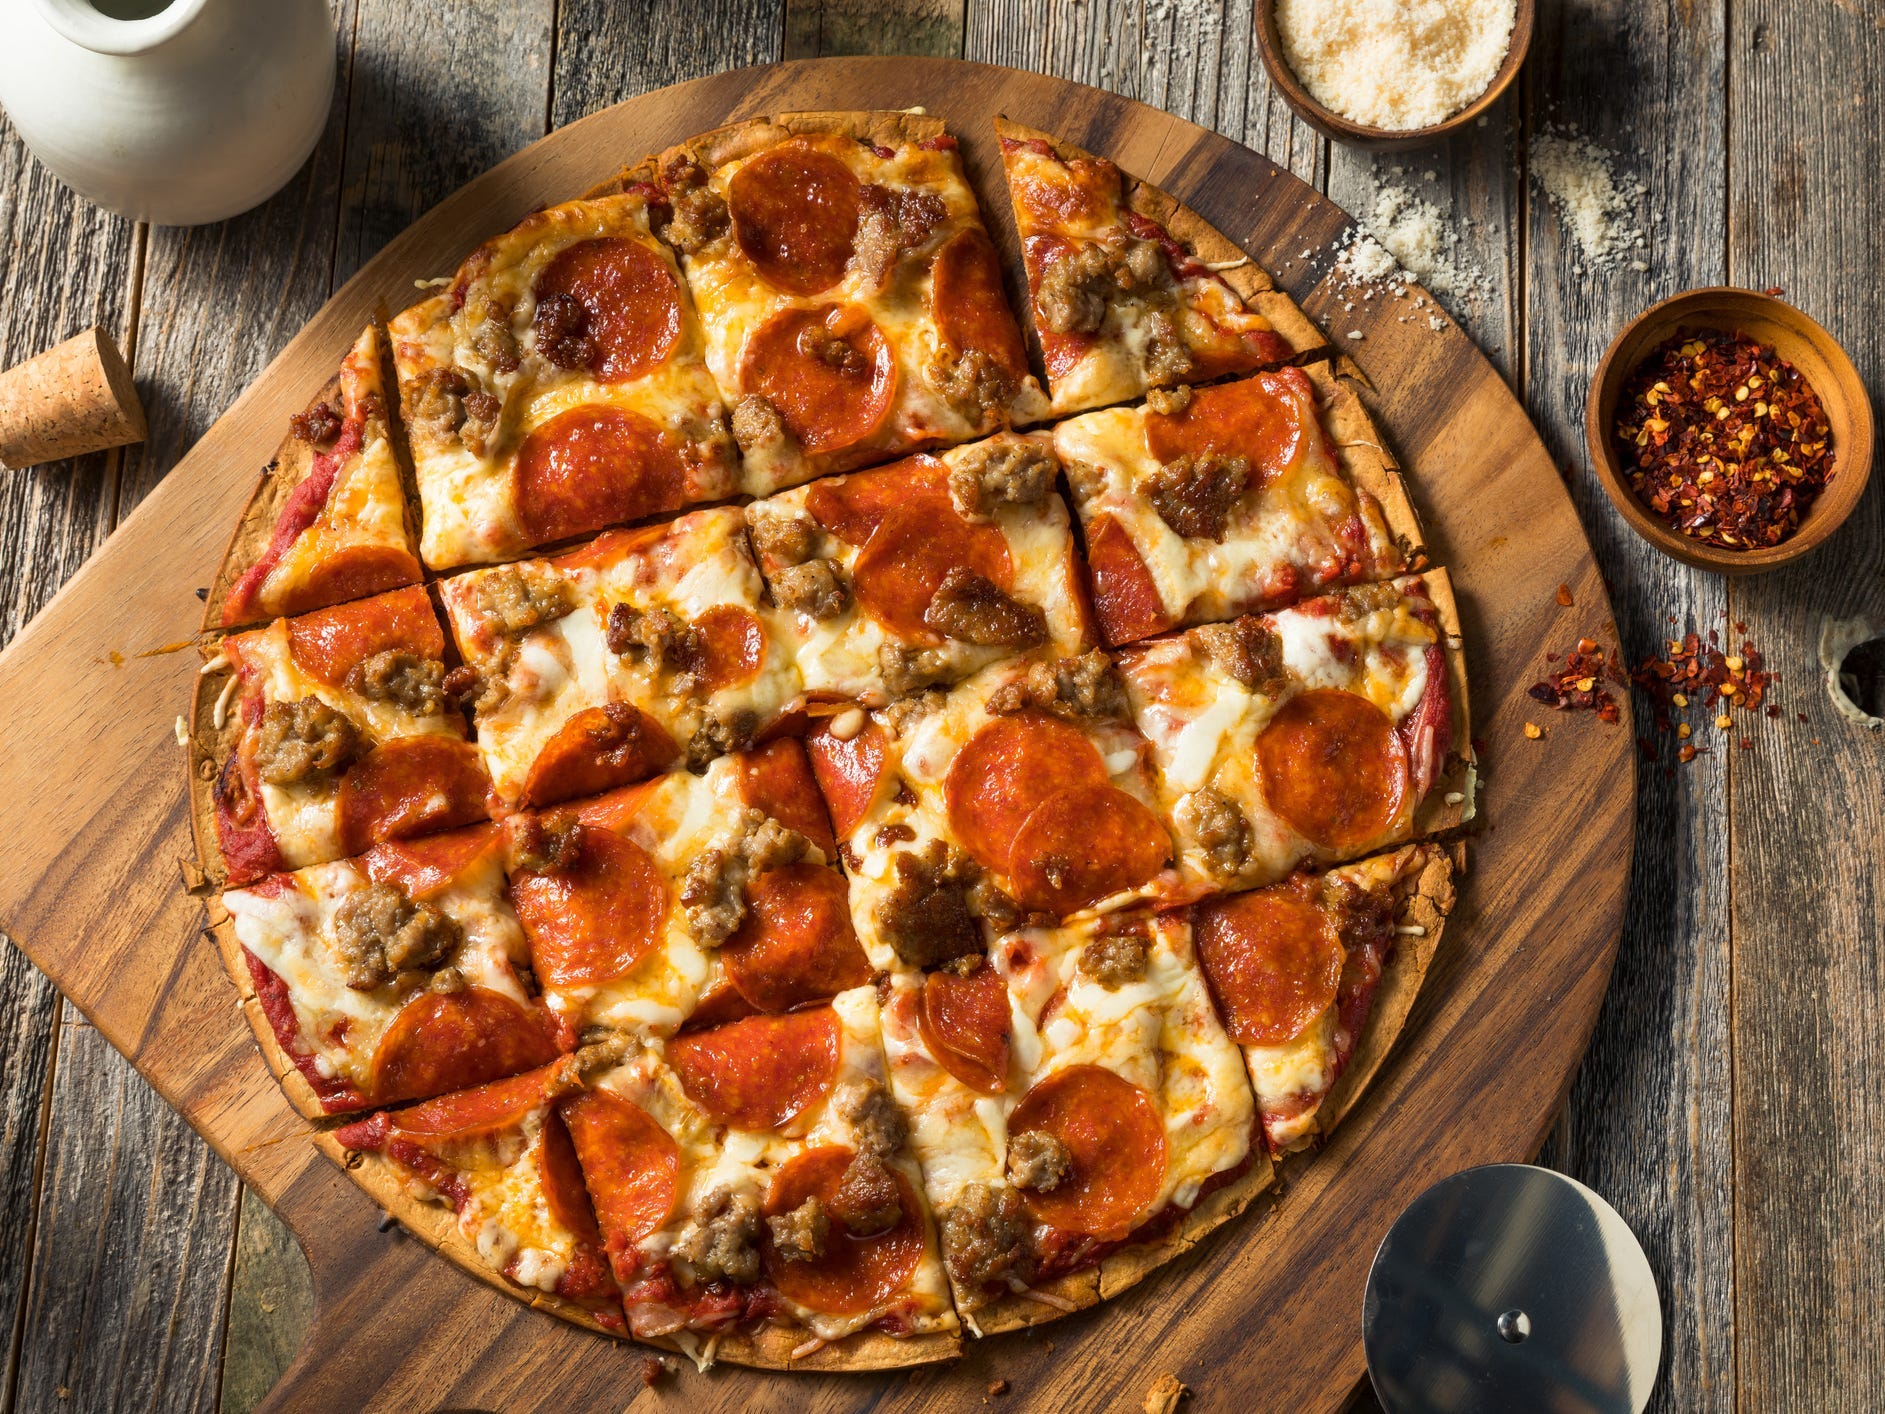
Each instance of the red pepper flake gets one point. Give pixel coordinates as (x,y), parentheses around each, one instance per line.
(655,1369)
(1564,597)
(1773,292)
(1583,683)
(1723,439)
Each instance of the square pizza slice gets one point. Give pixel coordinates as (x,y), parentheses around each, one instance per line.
(1317,733)
(852,299)
(1079,1113)
(320,735)
(916,574)
(394,976)
(686,898)
(1206,503)
(557,386)
(1314,976)
(1130,290)
(1023,793)
(330,520)
(641,650)
(758,1198)
(489,1177)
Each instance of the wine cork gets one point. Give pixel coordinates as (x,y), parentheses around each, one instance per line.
(74,398)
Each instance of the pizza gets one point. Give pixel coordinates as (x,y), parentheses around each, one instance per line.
(1203,504)
(396,975)
(1318,733)
(916,574)
(852,299)
(1127,289)
(686,898)
(557,385)
(603,666)
(330,520)
(323,734)
(769,837)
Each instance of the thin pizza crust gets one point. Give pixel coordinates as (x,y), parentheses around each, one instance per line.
(769,1348)
(1441,812)
(1229,261)
(209,747)
(281,1065)
(1362,452)
(718,146)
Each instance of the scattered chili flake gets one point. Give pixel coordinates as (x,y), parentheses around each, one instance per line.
(1533,731)
(998,1387)
(1747,743)
(1583,683)
(1773,292)
(1723,439)
(1564,597)
(655,1369)
(1686,754)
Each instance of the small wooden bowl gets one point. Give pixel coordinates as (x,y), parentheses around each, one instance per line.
(1334,126)
(1795,338)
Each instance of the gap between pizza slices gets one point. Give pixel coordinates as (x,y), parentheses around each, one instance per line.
(750,824)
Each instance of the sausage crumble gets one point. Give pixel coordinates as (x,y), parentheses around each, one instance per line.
(1070,688)
(1194,495)
(1219,827)
(303,739)
(1005,470)
(1037,1161)
(800,1235)
(713,891)
(925,916)
(404,679)
(379,933)
(985,1239)
(721,1240)
(972,608)
(1246,649)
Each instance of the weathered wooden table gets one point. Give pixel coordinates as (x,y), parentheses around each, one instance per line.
(1731,1103)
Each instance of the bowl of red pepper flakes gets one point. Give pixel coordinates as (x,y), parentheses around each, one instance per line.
(1730,430)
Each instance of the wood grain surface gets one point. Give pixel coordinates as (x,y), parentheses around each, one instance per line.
(1739,1139)
(102,836)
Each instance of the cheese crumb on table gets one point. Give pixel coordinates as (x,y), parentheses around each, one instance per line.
(1599,208)
(1395,64)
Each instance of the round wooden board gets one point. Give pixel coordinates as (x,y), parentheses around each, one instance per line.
(1267,1310)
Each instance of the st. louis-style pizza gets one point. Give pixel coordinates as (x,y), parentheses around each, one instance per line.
(556,385)
(920,894)
(852,299)
(1206,503)
(330,520)
(915,574)
(1129,290)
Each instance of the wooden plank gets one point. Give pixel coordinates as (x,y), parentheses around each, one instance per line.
(1807,140)
(69,266)
(607,51)
(1097,42)
(1482,1063)
(1654,1096)
(825,27)
(125,1304)
(271,1305)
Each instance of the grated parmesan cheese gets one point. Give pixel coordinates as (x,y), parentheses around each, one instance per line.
(1599,208)
(1396,64)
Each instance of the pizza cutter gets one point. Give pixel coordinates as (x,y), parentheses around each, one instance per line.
(1510,1287)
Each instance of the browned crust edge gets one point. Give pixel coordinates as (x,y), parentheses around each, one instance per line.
(1362,452)
(769,1348)
(718,146)
(209,746)
(222,927)
(1425,896)
(287,469)
(1435,815)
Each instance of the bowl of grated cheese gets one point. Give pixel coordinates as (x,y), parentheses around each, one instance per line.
(1391,74)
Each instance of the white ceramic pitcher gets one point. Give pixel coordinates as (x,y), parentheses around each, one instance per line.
(175,112)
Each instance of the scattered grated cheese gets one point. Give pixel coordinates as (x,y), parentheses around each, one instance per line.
(1599,207)
(1396,64)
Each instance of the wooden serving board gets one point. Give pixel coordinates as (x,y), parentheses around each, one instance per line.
(1266,1312)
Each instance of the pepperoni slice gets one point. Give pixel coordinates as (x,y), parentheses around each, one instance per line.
(411,785)
(592,466)
(855,1274)
(352,572)
(631,301)
(760,1072)
(632,1167)
(476,1113)
(597,748)
(1005,771)
(1125,599)
(966,1024)
(594,922)
(969,305)
(777,778)
(560,1175)
(1333,767)
(795,944)
(1083,845)
(828,403)
(1115,1138)
(848,772)
(328,643)
(733,646)
(912,551)
(719,1006)
(1274,960)
(852,507)
(794,211)
(452,1040)
(1263,418)
(422,867)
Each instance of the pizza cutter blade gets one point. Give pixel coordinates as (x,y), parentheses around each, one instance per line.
(1508,1288)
